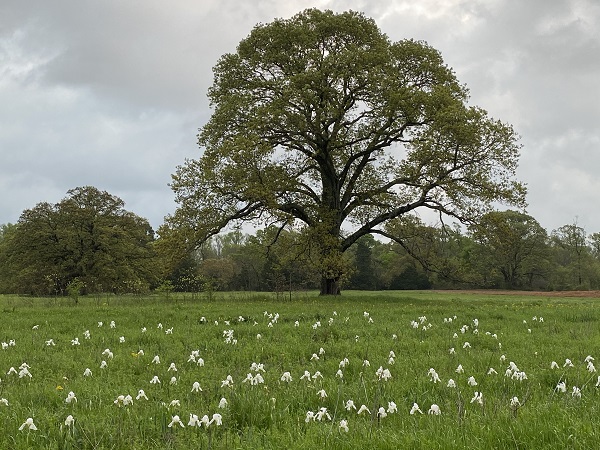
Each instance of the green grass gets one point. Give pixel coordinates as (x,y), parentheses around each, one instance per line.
(272,414)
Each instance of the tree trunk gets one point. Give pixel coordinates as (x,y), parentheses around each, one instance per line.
(330,286)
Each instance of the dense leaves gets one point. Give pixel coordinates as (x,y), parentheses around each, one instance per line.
(321,122)
(513,245)
(87,241)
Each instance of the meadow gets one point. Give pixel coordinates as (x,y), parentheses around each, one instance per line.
(257,371)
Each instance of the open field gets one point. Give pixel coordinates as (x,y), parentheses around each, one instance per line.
(295,373)
(551,294)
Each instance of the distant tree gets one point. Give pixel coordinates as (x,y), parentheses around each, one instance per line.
(249,255)
(88,238)
(391,259)
(573,257)
(322,123)
(410,279)
(247,259)
(594,244)
(363,276)
(593,241)
(440,250)
(217,272)
(287,259)
(7,231)
(512,244)
(184,275)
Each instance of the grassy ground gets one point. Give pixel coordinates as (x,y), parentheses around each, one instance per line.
(376,349)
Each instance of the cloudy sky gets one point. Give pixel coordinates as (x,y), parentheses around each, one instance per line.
(111,93)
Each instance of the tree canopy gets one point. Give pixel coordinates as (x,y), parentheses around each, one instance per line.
(88,239)
(321,122)
(513,244)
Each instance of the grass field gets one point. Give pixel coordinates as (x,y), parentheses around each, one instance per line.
(256,371)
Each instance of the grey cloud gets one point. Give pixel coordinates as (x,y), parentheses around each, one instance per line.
(148,53)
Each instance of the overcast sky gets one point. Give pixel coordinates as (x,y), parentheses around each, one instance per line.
(111,93)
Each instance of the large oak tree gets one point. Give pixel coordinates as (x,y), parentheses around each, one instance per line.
(321,122)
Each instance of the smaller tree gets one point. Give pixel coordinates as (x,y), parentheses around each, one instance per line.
(7,232)
(594,244)
(573,257)
(410,279)
(511,244)
(363,276)
(88,240)
(218,273)
(440,250)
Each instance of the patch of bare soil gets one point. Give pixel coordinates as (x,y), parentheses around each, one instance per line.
(580,294)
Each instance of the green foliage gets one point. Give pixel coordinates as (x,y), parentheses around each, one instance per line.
(573,257)
(410,278)
(87,241)
(363,277)
(322,123)
(165,288)
(75,288)
(7,232)
(515,246)
(441,251)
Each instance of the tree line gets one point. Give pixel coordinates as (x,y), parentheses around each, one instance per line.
(89,243)
(505,250)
